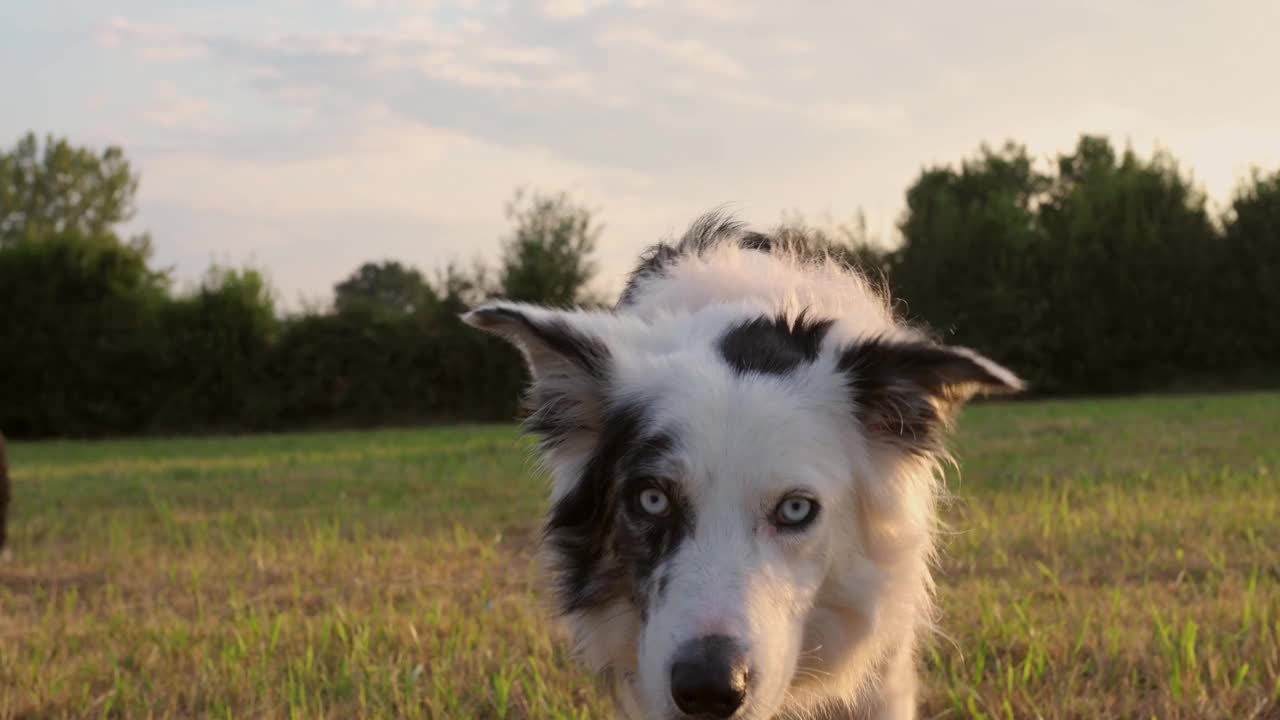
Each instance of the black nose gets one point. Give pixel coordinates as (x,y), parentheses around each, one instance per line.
(709,677)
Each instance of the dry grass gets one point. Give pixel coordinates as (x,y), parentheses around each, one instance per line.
(1111,559)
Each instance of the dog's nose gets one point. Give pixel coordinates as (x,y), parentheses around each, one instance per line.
(709,677)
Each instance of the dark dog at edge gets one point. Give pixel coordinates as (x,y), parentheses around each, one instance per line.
(4,495)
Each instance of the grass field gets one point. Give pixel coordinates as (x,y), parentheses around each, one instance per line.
(1108,559)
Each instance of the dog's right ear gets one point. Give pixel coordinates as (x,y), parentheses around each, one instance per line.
(568,366)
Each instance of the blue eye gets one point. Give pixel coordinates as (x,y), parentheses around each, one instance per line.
(654,502)
(795,512)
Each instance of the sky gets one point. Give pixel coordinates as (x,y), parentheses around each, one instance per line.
(305,137)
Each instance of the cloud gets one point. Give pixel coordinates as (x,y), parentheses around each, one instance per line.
(431,111)
(172,109)
(611,87)
(853,115)
(520,55)
(390,188)
(395,5)
(150,42)
(724,11)
(565,9)
(685,53)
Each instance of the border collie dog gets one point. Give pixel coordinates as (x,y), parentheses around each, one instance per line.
(746,457)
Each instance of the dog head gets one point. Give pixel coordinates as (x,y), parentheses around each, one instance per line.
(737,496)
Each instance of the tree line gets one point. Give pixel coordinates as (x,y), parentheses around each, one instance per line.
(1104,272)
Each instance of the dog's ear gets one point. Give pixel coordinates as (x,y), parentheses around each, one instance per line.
(568,365)
(907,393)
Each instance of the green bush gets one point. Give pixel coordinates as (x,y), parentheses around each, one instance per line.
(79,318)
(1104,273)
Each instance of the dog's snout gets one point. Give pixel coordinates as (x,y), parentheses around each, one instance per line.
(709,677)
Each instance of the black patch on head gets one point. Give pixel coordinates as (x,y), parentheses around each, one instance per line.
(644,456)
(642,543)
(773,345)
(906,392)
(581,523)
(603,551)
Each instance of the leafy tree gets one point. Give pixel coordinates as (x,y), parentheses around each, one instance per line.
(547,258)
(387,287)
(968,262)
(1097,277)
(80,341)
(459,289)
(58,188)
(1251,272)
(1130,266)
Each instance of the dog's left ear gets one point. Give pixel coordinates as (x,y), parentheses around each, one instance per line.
(568,365)
(907,393)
